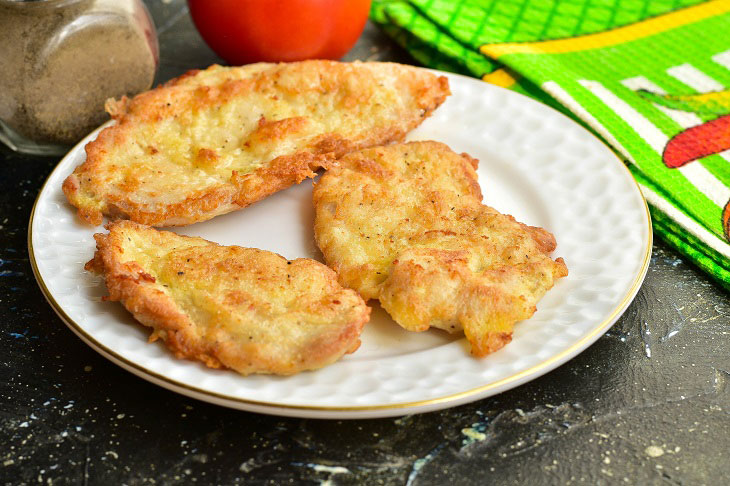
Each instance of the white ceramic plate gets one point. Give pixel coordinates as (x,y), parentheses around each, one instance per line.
(535,164)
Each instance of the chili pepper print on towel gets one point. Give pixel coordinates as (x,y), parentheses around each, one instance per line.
(651,77)
(701,140)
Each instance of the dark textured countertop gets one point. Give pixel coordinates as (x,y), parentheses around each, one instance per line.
(648,403)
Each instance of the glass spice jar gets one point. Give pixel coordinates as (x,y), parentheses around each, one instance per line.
(61,60)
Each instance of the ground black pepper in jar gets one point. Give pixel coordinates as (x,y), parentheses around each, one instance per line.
(61,59)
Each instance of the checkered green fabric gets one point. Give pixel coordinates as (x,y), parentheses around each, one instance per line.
(651,77)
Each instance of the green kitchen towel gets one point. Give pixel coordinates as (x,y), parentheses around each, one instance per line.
(651,77)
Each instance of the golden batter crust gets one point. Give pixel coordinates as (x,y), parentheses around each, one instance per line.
(226,306)
(217,140)
(404,224)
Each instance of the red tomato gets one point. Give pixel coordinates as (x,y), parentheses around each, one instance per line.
(245,31)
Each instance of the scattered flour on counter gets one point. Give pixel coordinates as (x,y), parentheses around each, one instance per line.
(654,451)
(419,463)
(329,469)
(473,434)
(332,470)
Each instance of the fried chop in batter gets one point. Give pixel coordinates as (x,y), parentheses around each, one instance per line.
(214,141)
(245,309)
(404,224)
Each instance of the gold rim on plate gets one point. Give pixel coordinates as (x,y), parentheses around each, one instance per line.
(231,401)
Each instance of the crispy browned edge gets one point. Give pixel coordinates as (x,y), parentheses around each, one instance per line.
(129,284)
(480,346)
(279,174)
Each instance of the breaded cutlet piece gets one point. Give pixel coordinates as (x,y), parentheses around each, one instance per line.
(405,224)
(217,140)
(229,307)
